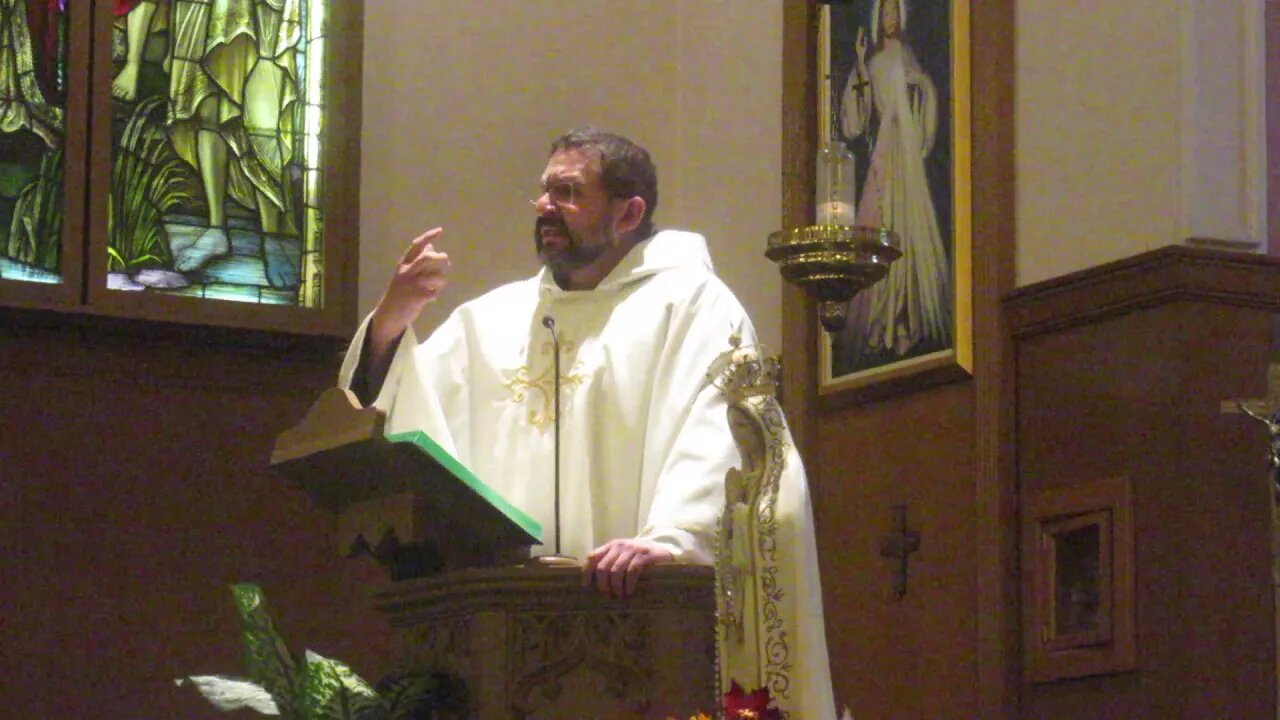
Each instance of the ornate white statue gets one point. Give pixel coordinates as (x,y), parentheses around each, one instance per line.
(770,631)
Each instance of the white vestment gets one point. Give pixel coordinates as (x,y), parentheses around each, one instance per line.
(645,442)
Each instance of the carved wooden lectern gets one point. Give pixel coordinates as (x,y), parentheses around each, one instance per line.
(527,639)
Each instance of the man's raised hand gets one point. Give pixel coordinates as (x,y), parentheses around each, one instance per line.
(420,276)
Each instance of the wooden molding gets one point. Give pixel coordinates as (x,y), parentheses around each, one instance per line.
(1170,274)
(144,353)
(799,130)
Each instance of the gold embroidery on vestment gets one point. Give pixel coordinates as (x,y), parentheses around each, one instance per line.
(544,384)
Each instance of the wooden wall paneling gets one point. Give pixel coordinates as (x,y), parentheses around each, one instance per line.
(916,655)
(135,488)
(1121,370)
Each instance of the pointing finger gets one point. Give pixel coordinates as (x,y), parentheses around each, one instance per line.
(429,261)
(419,243)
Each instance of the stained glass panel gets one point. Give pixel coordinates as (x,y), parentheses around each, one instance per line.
(216,169)
(33,84)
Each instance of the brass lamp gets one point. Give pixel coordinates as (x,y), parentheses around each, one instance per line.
(833,263)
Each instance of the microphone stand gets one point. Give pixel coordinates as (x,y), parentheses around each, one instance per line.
(557,559)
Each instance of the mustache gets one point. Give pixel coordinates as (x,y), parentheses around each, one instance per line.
(556,223)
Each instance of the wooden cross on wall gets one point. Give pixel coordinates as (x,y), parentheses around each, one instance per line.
(899,544)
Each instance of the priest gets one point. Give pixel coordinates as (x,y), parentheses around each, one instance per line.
(639,317)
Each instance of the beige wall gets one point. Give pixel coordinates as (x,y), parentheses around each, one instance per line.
(461,102)
(1139,124)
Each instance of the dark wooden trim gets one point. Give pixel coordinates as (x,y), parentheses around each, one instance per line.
(1175,273)
(799,132)
(992,38)
(108,347)
(75,129)
(342,158)
(1271,42)
(98,204)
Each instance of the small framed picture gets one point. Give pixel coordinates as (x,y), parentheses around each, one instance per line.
(1077,557)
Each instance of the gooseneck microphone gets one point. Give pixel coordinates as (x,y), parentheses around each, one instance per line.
(550,323)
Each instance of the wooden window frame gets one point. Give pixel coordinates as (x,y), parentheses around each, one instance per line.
(87,162)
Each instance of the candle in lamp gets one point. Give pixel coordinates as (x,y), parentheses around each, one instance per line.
(834,194)
(835,212)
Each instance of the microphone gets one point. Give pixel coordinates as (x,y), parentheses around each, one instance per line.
(550,324)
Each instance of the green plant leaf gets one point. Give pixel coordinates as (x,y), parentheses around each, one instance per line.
(331,691)
(267,659)
(408,697)
(228,693)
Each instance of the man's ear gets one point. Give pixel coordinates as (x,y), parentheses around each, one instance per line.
(631,216)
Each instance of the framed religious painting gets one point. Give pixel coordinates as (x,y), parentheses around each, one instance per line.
(894,153)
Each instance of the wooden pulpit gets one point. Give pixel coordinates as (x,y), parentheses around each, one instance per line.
(531,642)
(526,638)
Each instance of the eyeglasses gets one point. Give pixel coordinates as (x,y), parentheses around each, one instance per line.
(562,194)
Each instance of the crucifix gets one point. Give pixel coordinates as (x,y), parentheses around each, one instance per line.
(899,544)
(1266,411)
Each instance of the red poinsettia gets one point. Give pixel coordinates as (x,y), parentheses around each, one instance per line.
(754,705)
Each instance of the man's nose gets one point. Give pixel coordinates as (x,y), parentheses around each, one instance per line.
(543,205)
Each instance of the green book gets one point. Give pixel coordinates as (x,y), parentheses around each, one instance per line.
(340,456)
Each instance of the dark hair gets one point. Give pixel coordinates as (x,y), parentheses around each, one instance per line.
(625,168)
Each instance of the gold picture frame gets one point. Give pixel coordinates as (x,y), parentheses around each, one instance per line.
(914,328)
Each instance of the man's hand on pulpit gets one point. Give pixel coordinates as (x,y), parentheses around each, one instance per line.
(616,566)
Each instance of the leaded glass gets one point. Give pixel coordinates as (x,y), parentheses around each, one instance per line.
(216,170)
(33,79)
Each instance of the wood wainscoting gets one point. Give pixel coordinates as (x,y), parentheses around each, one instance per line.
(134,489)
(1121,372)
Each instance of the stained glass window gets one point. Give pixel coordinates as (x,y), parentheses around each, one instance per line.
(33,80)
(216,178)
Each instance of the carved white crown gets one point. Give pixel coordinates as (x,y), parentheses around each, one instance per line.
(745,371)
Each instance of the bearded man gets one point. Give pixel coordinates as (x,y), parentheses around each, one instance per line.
(640,318)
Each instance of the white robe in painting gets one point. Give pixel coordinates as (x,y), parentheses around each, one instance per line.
(645,439)
(911,306)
